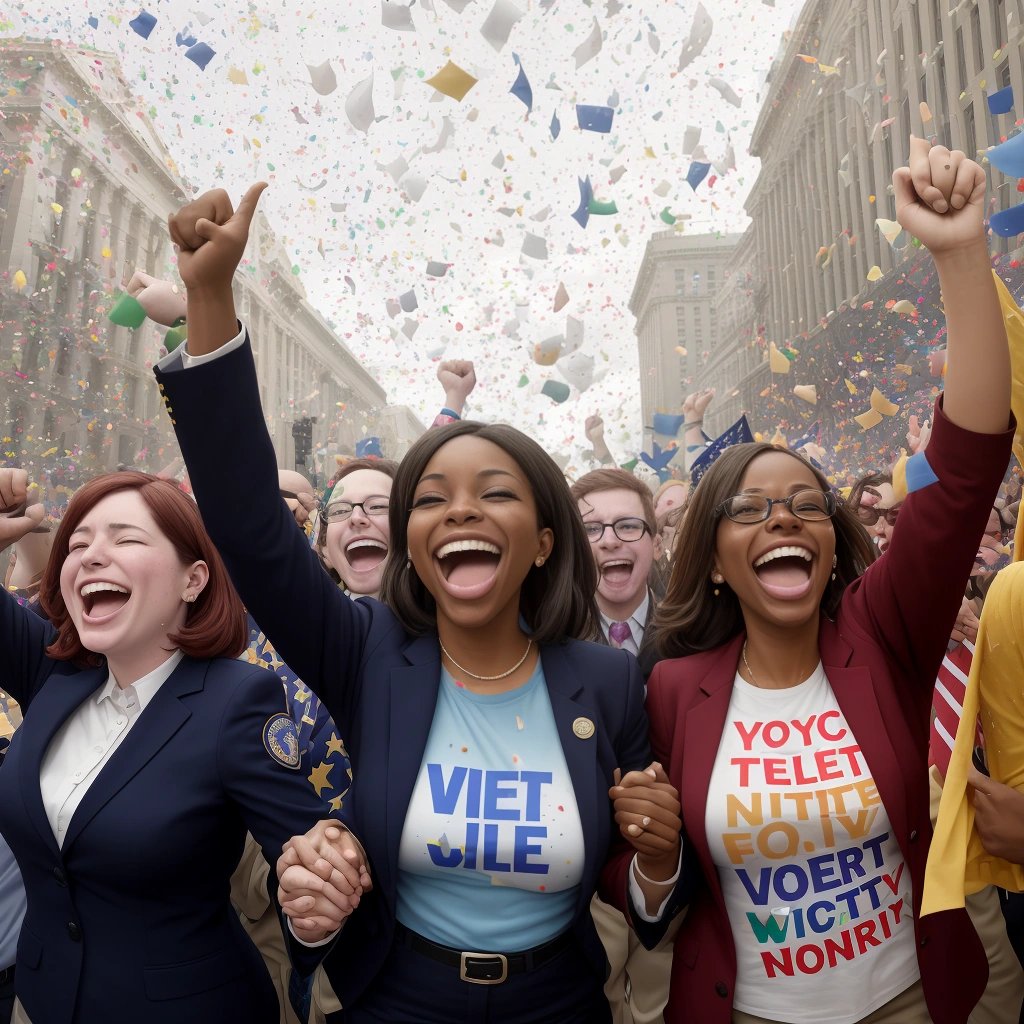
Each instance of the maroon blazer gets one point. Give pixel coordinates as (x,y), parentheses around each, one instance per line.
(881,656)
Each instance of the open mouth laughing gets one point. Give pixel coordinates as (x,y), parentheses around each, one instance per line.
(785,571)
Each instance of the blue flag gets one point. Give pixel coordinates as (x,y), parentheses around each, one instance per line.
(738,433)
(369,447)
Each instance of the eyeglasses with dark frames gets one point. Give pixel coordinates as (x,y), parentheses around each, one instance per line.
(808,504)
(629,531)
(339,511)
(870,514)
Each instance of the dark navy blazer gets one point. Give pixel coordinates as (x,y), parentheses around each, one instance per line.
(379,683)
(130,920)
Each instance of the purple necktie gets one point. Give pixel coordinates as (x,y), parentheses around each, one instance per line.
(619,633)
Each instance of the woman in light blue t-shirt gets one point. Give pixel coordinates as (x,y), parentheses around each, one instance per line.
(483,735)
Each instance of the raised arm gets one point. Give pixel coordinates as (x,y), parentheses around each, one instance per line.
(24,636)
(911,595)
(215,407)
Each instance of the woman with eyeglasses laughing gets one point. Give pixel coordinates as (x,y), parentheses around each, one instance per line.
(794,715)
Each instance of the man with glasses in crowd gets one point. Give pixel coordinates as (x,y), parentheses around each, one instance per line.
(618,515)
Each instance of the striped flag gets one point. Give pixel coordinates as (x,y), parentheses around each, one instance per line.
(948,704)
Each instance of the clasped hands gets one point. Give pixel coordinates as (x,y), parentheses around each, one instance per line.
(648,814)
(321,877)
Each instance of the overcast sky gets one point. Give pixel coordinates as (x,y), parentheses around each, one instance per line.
(484,174)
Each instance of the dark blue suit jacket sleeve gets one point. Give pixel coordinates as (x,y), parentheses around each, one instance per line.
(276,802)
(24,637)
(320,633)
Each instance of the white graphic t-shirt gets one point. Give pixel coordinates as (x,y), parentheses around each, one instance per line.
(818,894)
(492,849)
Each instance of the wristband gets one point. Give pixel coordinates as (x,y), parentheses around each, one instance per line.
(695,423)
(653,881)
(445,411)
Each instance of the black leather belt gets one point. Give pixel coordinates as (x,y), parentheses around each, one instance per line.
(7,976)
(484,968)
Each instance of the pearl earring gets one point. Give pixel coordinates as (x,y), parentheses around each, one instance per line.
(717,577)
(835,562)
(540,561)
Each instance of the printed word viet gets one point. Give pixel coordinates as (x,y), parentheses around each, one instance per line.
(490,801)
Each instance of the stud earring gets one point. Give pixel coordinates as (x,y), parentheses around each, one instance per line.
(717,577)
(540,561)
(835,562)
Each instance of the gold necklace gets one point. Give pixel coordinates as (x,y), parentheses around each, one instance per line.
(487,679)
(746,665)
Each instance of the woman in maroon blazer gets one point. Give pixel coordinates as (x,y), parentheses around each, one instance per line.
(793,718)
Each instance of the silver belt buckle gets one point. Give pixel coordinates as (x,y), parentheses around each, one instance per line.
(465,966)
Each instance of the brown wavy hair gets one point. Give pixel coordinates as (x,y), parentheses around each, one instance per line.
(690,618)
(215,624)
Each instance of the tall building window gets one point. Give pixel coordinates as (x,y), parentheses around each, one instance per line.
(998,9)
(914,13)
(936,20)
(970,145)
(961,60)
(979,45)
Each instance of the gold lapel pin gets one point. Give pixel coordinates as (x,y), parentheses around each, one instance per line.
(583,728)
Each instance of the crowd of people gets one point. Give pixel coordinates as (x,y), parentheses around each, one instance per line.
(547,750)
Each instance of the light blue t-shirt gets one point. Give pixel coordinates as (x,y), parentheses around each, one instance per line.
(492,849)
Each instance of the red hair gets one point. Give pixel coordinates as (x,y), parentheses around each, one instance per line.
(215,625)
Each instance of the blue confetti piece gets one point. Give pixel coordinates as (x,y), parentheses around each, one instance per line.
(582,214)
(1009,156)
(94,22)
(1007,223)
(697,173)
(594,119)
(185,39)
(668,425)
(200,55)
(1001,102)
(521,87)
(556,126)
(143,24)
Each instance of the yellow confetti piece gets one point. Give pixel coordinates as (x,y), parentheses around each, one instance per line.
(904,369)
(19,280)
(882,405)
(827,69)
(875,273)
(926,114)
(57,209)
(105,252)
(777,362)
(779,438)
(850,386)
(868,419)
(807,392)
(452,81)
(906,307)
(890,229)
(237,76)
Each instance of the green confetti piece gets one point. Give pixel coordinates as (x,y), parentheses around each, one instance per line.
(602,208)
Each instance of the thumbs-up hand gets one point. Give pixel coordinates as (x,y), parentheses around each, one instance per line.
(211,235)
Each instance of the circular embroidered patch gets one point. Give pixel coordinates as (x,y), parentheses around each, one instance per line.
(281,739)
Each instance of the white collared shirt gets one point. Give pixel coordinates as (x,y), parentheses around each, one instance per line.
(87,740)
(637,623)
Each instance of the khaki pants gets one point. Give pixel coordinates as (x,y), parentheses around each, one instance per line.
(907,1008)
(249,896)
(637,986)
(1001,1001)
(19,1016)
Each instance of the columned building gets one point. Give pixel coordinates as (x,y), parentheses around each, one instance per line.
(841,101)
(86,187)
(676,321)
